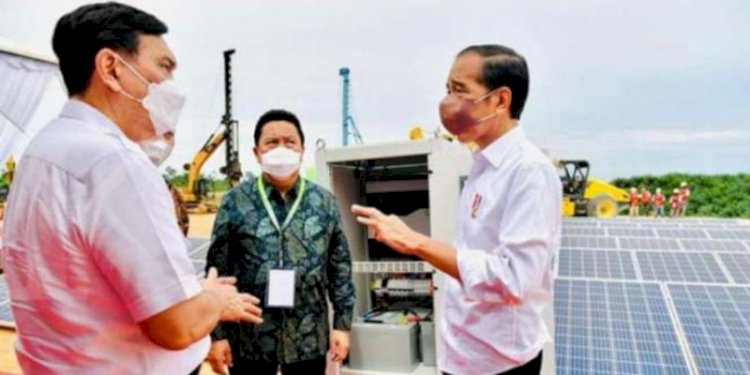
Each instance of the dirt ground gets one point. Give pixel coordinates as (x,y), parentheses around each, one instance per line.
(200,227)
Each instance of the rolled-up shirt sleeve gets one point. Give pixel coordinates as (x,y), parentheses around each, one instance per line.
(133,237)
(527,228)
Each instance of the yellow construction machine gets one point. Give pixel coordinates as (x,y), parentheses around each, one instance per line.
(195,192)
(584,196)
(192,197)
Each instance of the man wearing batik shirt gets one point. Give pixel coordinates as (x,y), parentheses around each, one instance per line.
(281,237)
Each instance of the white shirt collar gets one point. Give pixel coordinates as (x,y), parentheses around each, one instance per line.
(496,151)
(79,110)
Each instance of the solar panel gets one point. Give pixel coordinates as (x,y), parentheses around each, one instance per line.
(637,243)
(620,224)
(583,231)
(6,315)
(3,289)
(580,223)
(718,220)
(704,225)
(589,242)
(738,266)
(681,233)
(716,324)
(604,264)
(662,225)
(198,248)
(614,327)
(677,266)
(730,234)
(631,232)
(200,266)
(713,245)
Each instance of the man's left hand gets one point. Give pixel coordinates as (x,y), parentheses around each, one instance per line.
(390,230)
(339,345)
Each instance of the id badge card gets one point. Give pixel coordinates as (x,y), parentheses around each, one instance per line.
(280,291)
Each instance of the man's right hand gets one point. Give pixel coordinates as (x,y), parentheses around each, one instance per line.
(220,356)
(237,306)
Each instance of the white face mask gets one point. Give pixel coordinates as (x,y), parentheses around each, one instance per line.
(163,101)
(280,162)
(157,149)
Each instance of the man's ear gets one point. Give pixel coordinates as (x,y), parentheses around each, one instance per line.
(107,69)
(505,97)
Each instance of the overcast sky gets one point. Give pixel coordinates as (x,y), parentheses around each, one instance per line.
(635,87)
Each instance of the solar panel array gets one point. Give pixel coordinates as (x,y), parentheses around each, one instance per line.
(646,296)
(716,324)
(197,249)
(653,296)
(614,328)
(6,317)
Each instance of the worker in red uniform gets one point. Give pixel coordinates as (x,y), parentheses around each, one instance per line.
(658,202)
(675,200)
(635,200)
(684,197)
(645,200)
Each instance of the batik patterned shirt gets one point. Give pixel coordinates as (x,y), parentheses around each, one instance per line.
(246,244)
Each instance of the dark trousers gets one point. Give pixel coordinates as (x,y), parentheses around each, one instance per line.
(532,367)
(312,367)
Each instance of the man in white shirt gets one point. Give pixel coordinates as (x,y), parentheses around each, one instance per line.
(500,265)
(97,268)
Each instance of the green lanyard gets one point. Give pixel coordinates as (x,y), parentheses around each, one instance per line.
(262,191)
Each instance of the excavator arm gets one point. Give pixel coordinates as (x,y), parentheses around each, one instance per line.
(191,193)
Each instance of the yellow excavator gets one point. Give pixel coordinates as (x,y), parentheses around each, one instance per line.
(10,169)
(193,197)
(585,196)
(195,192)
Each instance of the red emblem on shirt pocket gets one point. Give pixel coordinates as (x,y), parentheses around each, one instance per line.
(475,205)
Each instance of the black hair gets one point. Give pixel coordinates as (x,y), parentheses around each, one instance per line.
(503,67)
(278,115)
(82,33)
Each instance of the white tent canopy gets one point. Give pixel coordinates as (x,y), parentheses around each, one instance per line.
(24,80)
